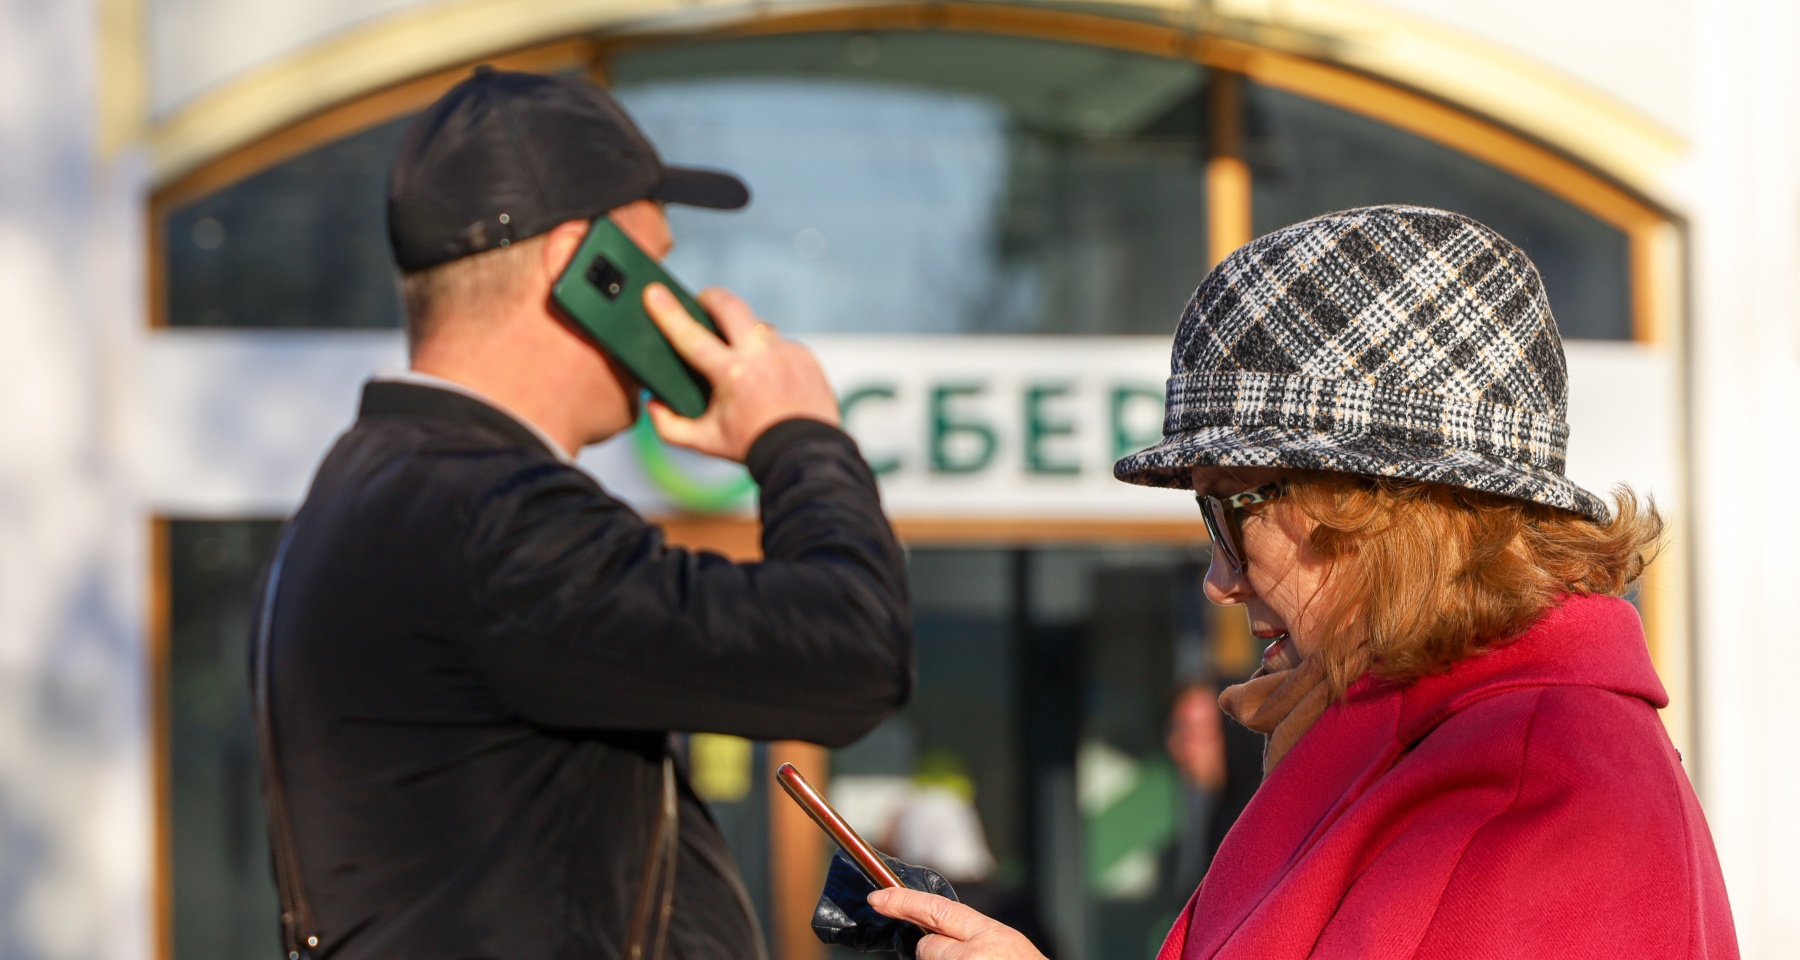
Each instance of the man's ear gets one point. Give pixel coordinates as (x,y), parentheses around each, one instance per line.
(560,245)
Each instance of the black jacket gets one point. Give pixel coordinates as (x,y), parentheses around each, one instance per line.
(478,656)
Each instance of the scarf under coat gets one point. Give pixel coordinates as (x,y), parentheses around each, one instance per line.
(1281,705)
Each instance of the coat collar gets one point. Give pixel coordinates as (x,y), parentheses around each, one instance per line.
(1586,641)
(401,398)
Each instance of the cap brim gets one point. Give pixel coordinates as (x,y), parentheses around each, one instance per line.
(715,189)
(1168,464)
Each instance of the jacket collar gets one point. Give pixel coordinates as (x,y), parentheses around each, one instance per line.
(1587,641)
(408,398)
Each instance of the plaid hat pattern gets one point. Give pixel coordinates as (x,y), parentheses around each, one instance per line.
(1389,341)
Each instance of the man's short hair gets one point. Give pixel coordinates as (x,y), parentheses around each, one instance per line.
(480,285)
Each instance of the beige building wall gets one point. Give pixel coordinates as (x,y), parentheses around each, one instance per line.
(1641,53)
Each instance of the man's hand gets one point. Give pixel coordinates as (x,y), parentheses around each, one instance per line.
(758,379)
(956,932)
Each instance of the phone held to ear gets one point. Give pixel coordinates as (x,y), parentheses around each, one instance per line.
(854,846)
(602,291)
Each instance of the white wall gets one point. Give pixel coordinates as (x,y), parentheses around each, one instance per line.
(74,798)
(1745,454)
(194,44)
(1641,52)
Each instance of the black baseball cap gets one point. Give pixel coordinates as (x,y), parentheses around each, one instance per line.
(505,156)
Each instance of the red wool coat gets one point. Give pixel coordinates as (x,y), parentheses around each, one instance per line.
(1525,804)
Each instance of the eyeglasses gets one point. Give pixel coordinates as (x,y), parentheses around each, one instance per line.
(1224,518)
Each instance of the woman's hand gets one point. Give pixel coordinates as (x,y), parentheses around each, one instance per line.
(954,931)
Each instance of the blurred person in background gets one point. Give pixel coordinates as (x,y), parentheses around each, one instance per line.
(1463,757)
(1220,765)
(471,657)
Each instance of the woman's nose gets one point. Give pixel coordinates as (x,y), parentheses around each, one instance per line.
(1225,585)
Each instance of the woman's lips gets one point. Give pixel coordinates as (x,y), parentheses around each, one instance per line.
(1280,655)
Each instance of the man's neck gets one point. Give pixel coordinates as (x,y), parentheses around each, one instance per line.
(508,397)
(555,392)
(421,378)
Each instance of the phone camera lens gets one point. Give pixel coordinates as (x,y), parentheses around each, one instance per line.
(606,278)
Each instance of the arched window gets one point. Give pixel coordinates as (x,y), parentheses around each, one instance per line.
(941,169)
(936,181)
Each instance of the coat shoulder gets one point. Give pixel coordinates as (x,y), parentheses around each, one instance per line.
(1599,804)
(1575,746)
(1594,739)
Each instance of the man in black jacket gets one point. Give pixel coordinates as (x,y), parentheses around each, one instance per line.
(474,656)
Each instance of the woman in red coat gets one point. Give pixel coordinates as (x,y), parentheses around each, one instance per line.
(1464,757)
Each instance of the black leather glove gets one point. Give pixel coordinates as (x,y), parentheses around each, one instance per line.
(845,918)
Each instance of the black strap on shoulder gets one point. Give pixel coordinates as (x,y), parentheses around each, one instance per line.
(299,931)
(649,933)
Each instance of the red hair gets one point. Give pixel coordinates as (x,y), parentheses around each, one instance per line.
(1423,575)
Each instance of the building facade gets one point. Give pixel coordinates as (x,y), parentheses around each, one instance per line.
(985,218)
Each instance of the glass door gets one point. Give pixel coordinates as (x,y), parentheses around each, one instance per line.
(1033,765)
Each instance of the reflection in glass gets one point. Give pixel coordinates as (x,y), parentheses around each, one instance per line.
(224,894)
(1308,158)
(301,244)
(909,182)
(936,183)
(739,802)
(1045,680)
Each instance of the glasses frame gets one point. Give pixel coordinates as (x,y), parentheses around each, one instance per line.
(1224,519)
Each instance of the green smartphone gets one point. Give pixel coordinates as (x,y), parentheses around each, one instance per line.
(602,291)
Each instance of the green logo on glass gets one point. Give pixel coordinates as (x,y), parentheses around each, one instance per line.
(689,493)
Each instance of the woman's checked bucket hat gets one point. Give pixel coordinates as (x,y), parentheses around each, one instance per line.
(1389,341)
